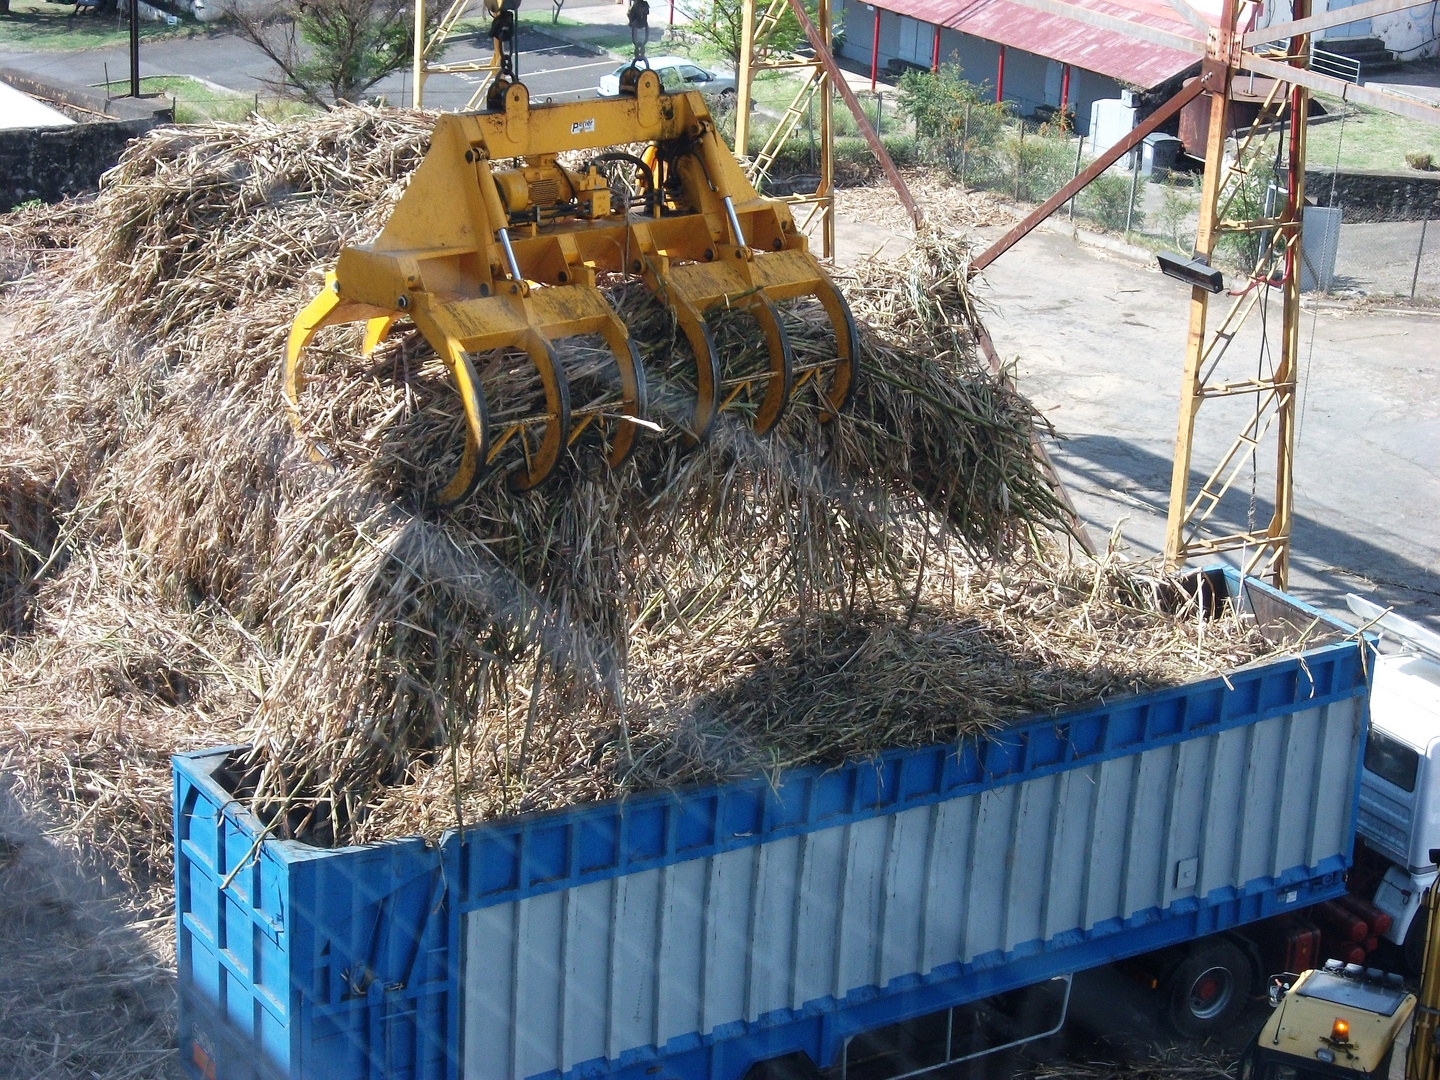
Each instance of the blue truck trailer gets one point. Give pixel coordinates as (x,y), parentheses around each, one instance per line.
(782,925)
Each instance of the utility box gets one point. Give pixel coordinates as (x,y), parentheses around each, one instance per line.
(1110,121)
(1319,239)
(1319,244)
(1158,155)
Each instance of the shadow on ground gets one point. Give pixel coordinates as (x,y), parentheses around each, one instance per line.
(83,994)
(1331,561)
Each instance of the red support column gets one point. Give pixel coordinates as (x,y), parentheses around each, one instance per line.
(875,52)
(1064,87)
(935,60)
(1000,77)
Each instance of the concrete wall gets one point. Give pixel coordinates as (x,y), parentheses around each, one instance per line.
(977,57)
(1410,34)
(51,163)
(1377,196)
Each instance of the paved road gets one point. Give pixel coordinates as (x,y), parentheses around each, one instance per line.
(550,66)
(1100,342)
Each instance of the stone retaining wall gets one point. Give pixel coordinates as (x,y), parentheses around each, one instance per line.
(1377,196)
(49,163)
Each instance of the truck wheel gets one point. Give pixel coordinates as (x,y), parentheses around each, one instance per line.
(1414,946)
(1208,990)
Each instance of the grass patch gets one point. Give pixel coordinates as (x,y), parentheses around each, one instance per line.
(1368,139)
(42,26)
(197,103)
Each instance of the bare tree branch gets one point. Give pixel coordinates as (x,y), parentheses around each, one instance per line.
(328,51)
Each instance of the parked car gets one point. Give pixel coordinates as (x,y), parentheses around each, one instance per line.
(677,74)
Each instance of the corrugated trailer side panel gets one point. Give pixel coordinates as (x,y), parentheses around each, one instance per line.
(763,935)
(299,961)
(712,927)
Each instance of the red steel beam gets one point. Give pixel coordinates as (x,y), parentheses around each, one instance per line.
(875,53)
(1100,164)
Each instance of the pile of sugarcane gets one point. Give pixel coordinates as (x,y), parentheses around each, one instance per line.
(186,575)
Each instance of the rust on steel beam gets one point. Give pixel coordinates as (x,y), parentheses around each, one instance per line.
(1325,20)
(1278,69)
(1100,164)
(837,79)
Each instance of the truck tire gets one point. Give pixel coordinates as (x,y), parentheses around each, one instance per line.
(1208,990)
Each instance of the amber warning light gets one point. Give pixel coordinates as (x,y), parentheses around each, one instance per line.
(1340,1031)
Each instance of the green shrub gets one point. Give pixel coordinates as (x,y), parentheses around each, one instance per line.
(1175,208)
(1107,200)
(1041,161)
(955,121)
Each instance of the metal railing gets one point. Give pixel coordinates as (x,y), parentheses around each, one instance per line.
(1330,63)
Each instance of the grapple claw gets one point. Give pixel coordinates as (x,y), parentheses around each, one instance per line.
(782,365)
(482,258)
(327,309)
(477,434)
(535,467)
(847,350)
(376,330)
(634,396)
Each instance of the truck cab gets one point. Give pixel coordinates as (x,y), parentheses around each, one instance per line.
(1400,791)
(1336,1023)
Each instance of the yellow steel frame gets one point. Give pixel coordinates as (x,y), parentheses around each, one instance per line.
(447,260)
(428,45)
(815,90)
(1265,550)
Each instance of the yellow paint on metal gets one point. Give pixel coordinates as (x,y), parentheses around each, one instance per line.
(482,258)
(1302,1025)
(1422,1062)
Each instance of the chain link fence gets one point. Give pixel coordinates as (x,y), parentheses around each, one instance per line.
(1379,247)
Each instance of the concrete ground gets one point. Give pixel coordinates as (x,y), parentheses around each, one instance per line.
(1419,79)
(1099,342)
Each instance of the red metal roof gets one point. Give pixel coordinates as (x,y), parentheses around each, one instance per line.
(1058,38)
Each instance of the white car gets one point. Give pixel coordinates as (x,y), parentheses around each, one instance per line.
(677,74)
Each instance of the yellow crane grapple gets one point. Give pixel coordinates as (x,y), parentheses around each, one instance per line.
(496,245)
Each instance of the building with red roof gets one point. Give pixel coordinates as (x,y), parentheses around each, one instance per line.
(1037,61)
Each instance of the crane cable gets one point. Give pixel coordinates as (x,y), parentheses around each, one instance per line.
(1315,310)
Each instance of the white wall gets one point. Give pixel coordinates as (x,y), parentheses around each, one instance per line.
(1411,34)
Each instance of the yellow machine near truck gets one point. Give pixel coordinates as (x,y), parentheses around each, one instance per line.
(1344,1021)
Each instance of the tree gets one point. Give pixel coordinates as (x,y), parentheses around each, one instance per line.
(329,51)
(718,24)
